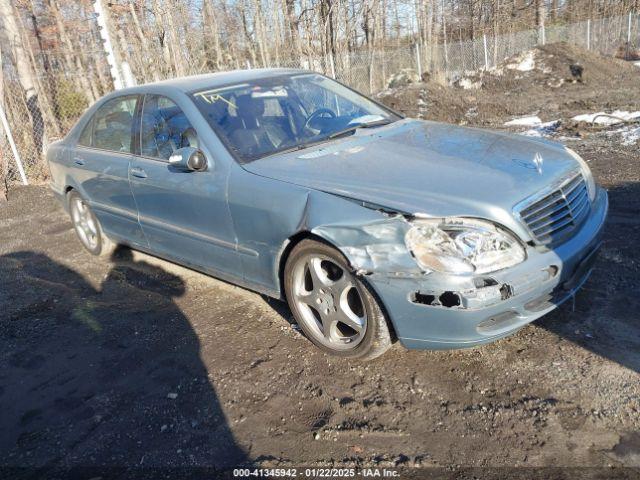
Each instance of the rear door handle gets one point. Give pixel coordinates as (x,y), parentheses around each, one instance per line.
(78,161)
(138,172)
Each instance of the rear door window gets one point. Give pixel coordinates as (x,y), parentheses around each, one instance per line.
(112,125)
(164,128)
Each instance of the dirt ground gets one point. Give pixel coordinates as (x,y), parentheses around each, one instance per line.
(134,362)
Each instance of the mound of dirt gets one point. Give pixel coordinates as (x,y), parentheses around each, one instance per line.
(523,86)
(428,100)
(549,66)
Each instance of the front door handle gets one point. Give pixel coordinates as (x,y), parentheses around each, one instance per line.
(138,172)
(78,161)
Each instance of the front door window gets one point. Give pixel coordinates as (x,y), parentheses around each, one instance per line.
(164,128)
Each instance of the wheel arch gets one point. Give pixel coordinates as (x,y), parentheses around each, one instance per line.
(308,235)
(70,185)
(289,245)
(67,190)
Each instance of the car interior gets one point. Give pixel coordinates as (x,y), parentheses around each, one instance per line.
(254,125)
(165,128)
(113,132)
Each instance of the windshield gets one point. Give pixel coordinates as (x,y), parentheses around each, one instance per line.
(270,115)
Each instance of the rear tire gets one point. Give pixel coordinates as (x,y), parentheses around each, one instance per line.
(333,307)
(87,226)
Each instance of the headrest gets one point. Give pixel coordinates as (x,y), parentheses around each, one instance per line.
(249,107)
(219,110)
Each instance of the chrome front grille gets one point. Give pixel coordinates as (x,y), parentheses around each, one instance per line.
(552,215)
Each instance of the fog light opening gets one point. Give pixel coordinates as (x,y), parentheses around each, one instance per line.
(423,298)
(450,299)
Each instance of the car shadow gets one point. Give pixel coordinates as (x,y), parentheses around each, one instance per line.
(603,317)
(104,377)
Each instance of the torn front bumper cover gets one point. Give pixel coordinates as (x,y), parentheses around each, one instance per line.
(440,311)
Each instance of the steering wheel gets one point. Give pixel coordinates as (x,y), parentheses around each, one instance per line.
(317,113)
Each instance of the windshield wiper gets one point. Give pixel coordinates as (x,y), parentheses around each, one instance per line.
(289,150)
(353,128)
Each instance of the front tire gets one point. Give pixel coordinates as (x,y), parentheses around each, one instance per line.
(87,227)
(332,306)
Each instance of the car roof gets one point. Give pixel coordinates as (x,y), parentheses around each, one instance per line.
(212,80)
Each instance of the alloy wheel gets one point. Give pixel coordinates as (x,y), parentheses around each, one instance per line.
(84,223)
(329,301)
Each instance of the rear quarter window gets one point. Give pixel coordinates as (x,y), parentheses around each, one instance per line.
(85,137)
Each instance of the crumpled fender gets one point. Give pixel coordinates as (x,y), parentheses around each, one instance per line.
(373,247)
(370,237)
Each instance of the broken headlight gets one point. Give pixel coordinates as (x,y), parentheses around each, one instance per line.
(586,173)
(462,246)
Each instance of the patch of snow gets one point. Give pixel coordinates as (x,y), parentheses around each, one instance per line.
(386,91)
(534,132)
(472,112)
(602,118)
(531,121)
(543,129)
(469,84)
(630,135)
(564,138)
(555,83)
(637,64)
(525,62)
(403,78)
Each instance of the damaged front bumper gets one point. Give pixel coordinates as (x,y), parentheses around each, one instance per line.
(439,311)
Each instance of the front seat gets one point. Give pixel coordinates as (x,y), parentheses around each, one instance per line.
(250,136)
(157,139)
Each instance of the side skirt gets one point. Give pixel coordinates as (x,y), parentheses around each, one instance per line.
(225,277)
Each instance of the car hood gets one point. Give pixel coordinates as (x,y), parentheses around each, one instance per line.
(436,169)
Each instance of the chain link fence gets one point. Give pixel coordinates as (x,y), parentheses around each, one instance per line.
(60,101)
(613,36)
(38,117)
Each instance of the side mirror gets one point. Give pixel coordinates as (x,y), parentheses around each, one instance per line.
(188,159)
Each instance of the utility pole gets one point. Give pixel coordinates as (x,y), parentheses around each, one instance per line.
(629,36)
(108,46)
(418,61)
(486,52)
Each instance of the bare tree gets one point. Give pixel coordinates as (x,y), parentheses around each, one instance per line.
(73,61)
(25,71)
